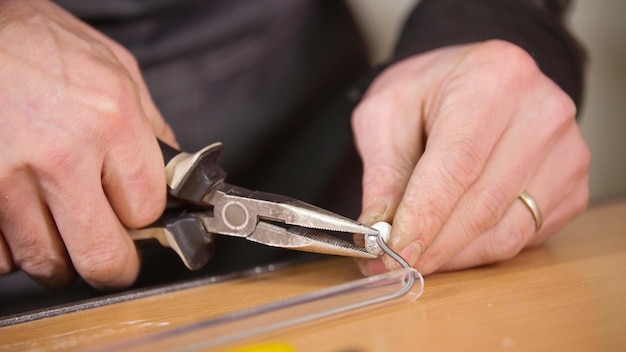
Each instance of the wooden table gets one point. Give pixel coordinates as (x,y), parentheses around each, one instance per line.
(568,295)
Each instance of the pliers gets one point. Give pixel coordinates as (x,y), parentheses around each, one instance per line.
(201,205)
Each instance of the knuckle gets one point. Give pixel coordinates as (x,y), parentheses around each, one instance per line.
(510,61)
(507,243)
(122,92)
(504,55)
(125,57)
(463,167)
(503,66)
(143,212)
(144,198)
(114,97)
(38,260)
(581,201)
(100,265)
(564,107)
(43,266)
(490,203)
(428,219)
(375,106)
(583,156)
(116,54)
(559,110)
(53,161)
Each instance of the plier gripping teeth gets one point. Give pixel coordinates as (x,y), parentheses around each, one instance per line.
(206,205)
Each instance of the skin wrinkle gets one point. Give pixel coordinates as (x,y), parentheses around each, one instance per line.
(466,222)
(514,241)
(467,225)
(377,165)
(100,263)
(443,102)
(46,257)
(468,145)
(512,81)
(498,239)
(44,263)
(94,128)
(576,193)
(494,201)
(138,214)
(434,99)
(430,218)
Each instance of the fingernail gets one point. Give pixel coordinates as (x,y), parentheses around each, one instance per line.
(372,267)
(412,253)
(63,279)
(363,266)
(373,212)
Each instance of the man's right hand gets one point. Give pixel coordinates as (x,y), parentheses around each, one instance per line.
(80,161)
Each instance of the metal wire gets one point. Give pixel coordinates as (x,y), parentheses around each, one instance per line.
(262,320)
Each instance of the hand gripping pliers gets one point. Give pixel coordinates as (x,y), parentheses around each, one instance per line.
(201,205)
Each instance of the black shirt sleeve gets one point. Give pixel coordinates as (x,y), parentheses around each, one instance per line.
(535,25)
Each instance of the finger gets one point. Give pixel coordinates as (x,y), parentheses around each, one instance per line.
(99,246)
(503,241)
(389,142)
(386,165)
(459,146)
(458,163)
(133,174)
(574,155)
(503,179)
(131,166)
(452,160)
(133,178)
(516,231)
(31,236)
(566,210)
(558,198)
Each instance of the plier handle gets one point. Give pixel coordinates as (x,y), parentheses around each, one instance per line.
(205,205)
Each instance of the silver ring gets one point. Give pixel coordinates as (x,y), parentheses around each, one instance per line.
(533,207)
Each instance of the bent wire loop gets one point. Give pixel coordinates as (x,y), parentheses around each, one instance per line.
(306,308)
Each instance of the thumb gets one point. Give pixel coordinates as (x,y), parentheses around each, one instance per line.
(389,142)
(383,186)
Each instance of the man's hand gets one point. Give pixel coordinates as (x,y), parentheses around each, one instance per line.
(80,161)
(451,138)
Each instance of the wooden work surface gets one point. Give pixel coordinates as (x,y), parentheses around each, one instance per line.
(568,295)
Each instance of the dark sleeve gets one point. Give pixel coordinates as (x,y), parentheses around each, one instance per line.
(535,25)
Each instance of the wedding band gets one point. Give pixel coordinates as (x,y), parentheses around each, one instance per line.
(533,207)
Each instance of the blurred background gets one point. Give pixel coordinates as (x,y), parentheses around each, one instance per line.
(600,26)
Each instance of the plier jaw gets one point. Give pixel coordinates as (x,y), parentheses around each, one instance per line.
(209,206)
